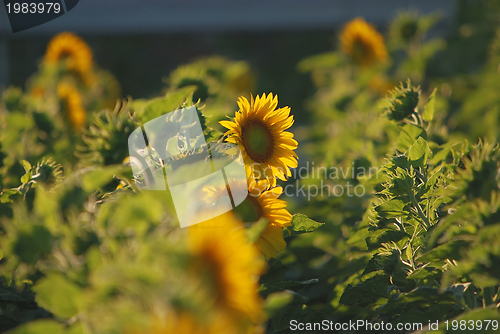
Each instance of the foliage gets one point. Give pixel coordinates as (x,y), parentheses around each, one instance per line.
(83,250)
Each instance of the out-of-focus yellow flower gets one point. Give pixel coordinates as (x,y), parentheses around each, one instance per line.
(38,91)
(259,130)
(363,43)
(231,266)
(78,55)
(187,323)
(261,203)
(380,84)
(72,104)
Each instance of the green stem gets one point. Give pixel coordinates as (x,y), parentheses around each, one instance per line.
(420,212)
(488,294)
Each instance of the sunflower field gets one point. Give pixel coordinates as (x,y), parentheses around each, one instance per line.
(378,212)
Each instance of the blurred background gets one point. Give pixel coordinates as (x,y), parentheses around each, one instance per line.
(140,43)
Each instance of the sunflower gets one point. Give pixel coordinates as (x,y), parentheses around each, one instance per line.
(77,53)
(72,102)
(231,265)
(259,130)
(260,203)
(186,323)
(363,43)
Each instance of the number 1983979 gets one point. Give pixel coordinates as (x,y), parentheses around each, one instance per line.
(32,8)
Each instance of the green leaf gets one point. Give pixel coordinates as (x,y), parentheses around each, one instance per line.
(7,193)
(254,231)
(376,238)
(212,135)
(280,322)
(446,149)
(287,285)
(274,273)
(392,209)
(98,177)
(429,107)
(26,177)
(384,261)
(409,134)
(418,153)
(425,272)
(163,105)
(33,241)
(323,60)
(44,326)
(302,224)
(58,295)
(368,291)
(26,165)
(276,301)
(450,250)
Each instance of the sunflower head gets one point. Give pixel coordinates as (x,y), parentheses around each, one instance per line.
(74,51)
(363,43)
(403,101)
(261,203)
(230,266)
(259,130)
(478,171)
(404,29)
(105,141)
(195,74)
(72,105)
(48,171)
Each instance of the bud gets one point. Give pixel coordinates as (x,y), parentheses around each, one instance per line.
(403,101)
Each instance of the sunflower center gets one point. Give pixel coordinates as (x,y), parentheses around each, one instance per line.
(249,211)
(358,50)
(258,141)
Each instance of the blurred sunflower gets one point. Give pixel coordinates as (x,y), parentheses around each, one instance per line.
(260,203)
(187,323)
(259,130)
(223,256)
(78,55)
(363,43)
(72,104)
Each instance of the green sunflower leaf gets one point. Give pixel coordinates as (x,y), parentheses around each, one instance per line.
(42,326)
(163,105)
(418,153)
(255,231)
(408,135)
(287,285)
(58,295)
(302,224)
(428,114)
(392,209)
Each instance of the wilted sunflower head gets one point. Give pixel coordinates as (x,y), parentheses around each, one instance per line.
(403,101)
(258,128)
(363,43)
(69,47)
(72,104)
